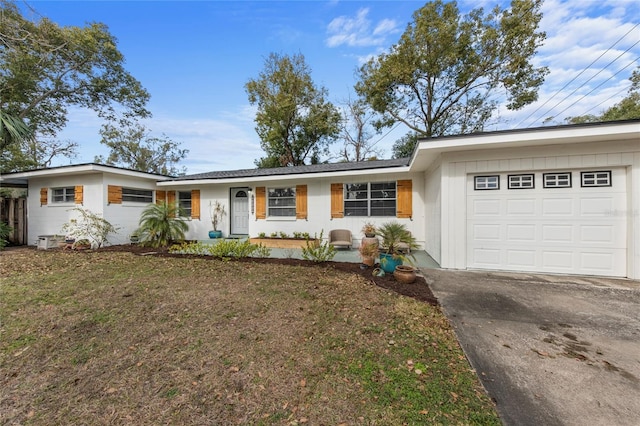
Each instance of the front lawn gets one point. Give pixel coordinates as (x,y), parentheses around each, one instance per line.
(115,338)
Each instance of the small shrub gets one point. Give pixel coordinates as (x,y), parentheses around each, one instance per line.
(160,224)
(224,249)
(89,226)
(261,251)
(262,235)
(318,251)
(283,234)
(5,230)
(274,235)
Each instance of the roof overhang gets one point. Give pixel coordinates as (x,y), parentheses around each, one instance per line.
(429,150)
(10,179)
(285,177)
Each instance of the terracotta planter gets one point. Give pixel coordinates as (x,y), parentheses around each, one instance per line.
(368,260)
(404,274)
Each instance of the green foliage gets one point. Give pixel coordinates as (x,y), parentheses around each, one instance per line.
(90,227)
(47,68)
(317,250)
(447,72)
(283,234)
(13,130)
(223,249)
(396,239)
(161,224)
(403,147)
(262,235)
(5,230)
(294,121)
(133,148)
(301,235)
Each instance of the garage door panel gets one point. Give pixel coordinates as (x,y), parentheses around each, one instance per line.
(558,233)
(575,230)
(489,207)
(518,259)
(521,207)
(520,233)
(558,207)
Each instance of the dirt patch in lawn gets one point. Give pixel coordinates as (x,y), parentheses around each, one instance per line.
(418,290)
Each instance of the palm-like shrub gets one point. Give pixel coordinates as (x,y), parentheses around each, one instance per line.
(161,225)
(396,238)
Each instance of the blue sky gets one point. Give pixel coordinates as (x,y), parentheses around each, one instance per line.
(195,57)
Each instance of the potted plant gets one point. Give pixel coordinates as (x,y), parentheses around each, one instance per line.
(216,211)
(397,243)
(369,230)
(368,252)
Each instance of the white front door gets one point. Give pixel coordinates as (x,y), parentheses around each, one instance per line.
(239,211)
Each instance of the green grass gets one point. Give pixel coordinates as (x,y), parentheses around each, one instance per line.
(114,338)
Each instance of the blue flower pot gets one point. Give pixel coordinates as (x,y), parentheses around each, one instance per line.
(215,234)
(388,263)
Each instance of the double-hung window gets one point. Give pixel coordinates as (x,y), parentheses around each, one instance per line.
(370,199)
(137,195)
(281,202)
(63,195)
(184,202)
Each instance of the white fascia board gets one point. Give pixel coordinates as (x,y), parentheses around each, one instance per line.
(83,169)
(428,150)
(300,176)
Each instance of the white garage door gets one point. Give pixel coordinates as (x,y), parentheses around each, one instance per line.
(568,221)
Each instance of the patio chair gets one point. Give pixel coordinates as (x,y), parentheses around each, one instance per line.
(340,238)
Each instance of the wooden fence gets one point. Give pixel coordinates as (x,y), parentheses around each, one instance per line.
(13,211)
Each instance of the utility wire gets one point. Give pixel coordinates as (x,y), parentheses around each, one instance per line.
(592,90)
(624,89)
(579,74)
(592,77)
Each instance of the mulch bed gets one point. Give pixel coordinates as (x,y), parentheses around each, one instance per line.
(418,290)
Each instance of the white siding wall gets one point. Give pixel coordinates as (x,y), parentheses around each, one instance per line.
(318,206)
(433,209)
(125,216)
(49,219)
(456,166)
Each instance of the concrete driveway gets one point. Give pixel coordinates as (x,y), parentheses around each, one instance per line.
(550,350)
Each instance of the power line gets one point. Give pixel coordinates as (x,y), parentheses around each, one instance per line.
(624,89)
(579,74)
(592,77)
(592,90)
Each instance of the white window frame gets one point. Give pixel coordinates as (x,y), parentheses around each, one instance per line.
(486,183)
(68,194)
(184,202)
(133,195)
(521,181)
(556,180)
(595,179)
(373,210)
(274,199)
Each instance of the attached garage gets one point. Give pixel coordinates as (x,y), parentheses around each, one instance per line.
(566,221)
(562,199)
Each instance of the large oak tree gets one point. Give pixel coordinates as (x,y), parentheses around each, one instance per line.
(45,69)
(449,72)
(294,120)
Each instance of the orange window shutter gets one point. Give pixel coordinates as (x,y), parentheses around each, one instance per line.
(44,195)
(261,202)
(404,193)
(114,194)
(301,201)
(171,198)
(337,200)
(78,194)
(161,197)
(195,204)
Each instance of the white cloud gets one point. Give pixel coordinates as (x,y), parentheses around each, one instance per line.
(358,31)
(580,44)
